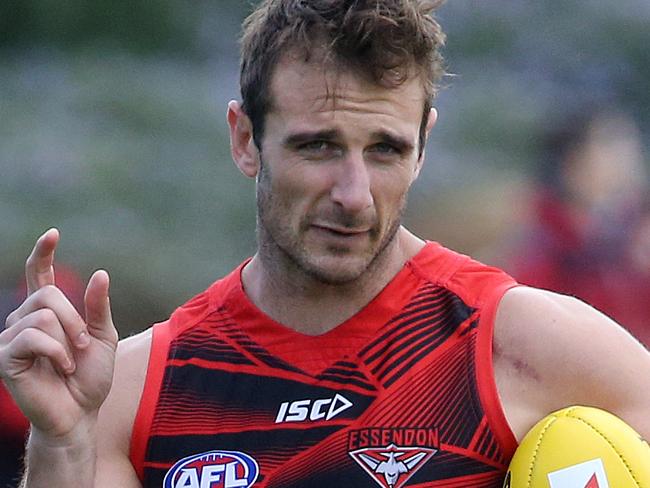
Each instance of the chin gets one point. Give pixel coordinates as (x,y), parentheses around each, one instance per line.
(337,270)
(339,265)
(333,276)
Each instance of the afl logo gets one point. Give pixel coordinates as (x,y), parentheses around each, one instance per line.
(214,469)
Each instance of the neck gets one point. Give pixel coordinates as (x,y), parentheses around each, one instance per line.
(294,298)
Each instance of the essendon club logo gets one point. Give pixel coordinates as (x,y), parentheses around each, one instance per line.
(392,456)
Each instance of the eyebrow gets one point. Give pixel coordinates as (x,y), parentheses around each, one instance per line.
(306,136)
(400,143)
(298,138)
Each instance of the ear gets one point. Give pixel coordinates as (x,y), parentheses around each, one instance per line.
(242,146)
(431,121)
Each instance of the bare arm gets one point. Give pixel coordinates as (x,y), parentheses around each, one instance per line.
(117,415)
(552,351)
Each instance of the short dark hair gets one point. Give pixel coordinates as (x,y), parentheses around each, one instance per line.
(382,40)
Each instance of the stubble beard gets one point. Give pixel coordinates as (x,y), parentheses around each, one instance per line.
(282,250)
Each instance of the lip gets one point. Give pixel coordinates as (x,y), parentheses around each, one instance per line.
(342,231)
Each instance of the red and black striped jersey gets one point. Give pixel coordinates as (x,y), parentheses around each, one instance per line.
(400,395)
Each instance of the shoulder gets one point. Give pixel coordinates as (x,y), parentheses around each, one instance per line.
(118,412)
(528,318)
(132,358)
(476,283)
(117,415)
(552,351)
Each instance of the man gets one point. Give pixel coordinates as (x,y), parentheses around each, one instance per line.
(347,350)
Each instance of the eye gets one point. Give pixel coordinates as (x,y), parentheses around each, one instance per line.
(385,152)
(385,148)
(319,149)
(316,146)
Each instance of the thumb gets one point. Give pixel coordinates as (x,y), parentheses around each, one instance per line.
(98,308)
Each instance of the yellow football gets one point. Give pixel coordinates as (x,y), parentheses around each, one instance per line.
(580,447)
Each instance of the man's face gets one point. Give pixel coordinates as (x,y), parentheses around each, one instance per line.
(337,159)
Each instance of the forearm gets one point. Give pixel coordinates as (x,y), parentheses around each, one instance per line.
(61,462)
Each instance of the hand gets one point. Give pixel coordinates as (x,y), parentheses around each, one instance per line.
(58,367)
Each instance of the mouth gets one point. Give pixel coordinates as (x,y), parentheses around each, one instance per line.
(343,232)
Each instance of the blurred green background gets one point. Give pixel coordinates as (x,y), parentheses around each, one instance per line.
(112,128)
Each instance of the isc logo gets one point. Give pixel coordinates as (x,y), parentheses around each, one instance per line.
(324,408)
(214,469)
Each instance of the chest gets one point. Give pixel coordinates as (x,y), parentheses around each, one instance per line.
(401,408)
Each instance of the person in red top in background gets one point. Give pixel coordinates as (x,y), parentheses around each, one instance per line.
(588,234)
(13,424)
(14,427)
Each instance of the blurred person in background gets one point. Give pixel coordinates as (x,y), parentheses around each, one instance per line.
(588,229)
(13,435)
(14,426)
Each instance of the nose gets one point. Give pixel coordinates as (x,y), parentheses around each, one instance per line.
(351,189)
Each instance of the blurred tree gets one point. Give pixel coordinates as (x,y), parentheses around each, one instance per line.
(142,26)
(111,128)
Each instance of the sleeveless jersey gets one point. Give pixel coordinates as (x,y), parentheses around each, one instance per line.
(400,395)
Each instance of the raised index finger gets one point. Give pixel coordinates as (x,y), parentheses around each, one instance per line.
(39,268)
